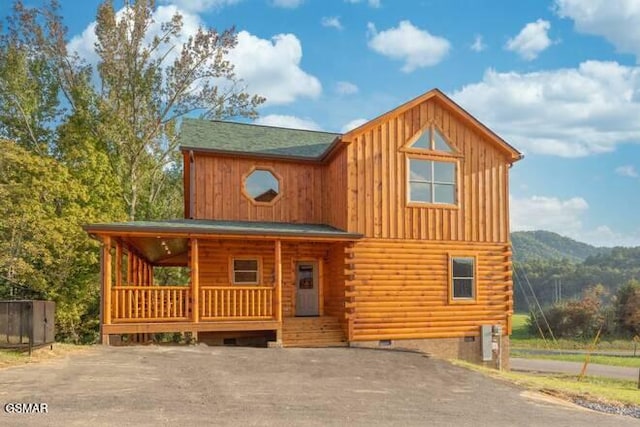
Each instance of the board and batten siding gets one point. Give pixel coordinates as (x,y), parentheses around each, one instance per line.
(398,276)
(334,194)
(400,290)
(377,182)
(310,192)
(219,183)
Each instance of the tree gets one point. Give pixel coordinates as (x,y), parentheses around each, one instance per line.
(145,80)
(628,307)
(28,95)
(576,318)
(97,142)
(42,244)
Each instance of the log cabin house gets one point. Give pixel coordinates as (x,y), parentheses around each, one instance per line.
(393,234)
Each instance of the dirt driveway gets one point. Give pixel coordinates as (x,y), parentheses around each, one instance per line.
(193,386)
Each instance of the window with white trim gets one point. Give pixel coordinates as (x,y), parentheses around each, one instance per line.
(431,181)
(246,271)
(463,280)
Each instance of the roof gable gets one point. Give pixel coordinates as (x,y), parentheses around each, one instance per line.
(449,104)
(221,136)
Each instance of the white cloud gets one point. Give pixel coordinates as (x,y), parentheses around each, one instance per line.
(531,40)
(565,217)
(346,88)
(83,44)
(603,235)
(284,121)
(331,22)
(353,124)
(287,4)
(372,3)
(628,171)
(271,68)
(417,48)
(618,22)
(201,5)
(547,213)
(478,44)
(570,112)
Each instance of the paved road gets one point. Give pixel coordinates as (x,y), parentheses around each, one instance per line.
(558,366)
(193,386)
(618,353)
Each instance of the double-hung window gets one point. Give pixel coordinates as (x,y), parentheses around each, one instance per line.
(246,271)
(462,278)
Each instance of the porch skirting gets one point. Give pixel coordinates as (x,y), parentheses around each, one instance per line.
(157,327)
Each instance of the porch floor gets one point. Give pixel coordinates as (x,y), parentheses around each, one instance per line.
(322,331)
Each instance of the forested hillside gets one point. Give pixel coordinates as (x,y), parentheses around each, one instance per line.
(559,268)
(541,244)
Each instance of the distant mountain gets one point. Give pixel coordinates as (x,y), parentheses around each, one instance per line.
(540,244)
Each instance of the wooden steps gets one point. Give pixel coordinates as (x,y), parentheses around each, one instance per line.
(312,332)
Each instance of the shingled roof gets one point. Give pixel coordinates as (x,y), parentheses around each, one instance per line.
(219,227)
(214,135)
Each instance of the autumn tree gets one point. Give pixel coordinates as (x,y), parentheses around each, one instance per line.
(628,307)
(148,75)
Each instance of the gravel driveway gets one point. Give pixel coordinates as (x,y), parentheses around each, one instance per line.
(200,385)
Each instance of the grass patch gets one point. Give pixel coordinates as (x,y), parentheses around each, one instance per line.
(595,389)
(519,327)
(520,338)
(15,358)
(629,362)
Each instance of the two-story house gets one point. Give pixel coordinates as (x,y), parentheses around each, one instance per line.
(394,234)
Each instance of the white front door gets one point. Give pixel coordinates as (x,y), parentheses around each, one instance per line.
(307,289)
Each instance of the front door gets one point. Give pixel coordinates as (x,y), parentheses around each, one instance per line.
(307,289)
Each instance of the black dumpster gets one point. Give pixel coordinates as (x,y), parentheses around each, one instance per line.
(27,323)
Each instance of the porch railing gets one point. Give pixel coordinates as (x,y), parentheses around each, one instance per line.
(150,303)
(173,303)
(236,302)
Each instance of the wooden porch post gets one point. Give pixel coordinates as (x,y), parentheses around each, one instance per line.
(129,268)
(195,284)
(106,286)
(278,288)
(118,263)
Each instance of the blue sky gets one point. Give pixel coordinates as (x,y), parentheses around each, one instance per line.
(558,79)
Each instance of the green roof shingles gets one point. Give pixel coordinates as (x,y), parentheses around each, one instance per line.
(195,226)
(256,139)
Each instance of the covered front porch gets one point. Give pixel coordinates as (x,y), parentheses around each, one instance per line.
(241,276)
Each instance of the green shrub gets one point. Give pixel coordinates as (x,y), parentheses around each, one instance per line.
(578,318)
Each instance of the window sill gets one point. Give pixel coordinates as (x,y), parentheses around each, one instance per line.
(462,301)
(426,205)
(424,153)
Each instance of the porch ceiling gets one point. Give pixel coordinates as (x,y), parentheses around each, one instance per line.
(160,251)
